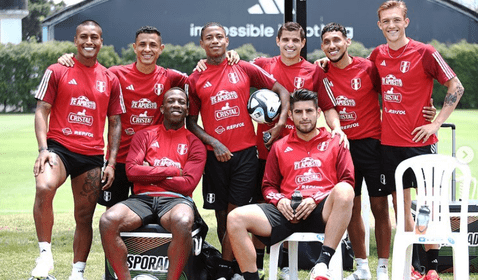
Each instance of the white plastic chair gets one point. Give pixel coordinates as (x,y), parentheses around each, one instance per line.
(335,263)
(433,173)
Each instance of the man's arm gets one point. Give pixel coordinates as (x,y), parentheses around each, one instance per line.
(221,152)
(284,98)
(454,93)
(41,127)
(333,121)
(114,136)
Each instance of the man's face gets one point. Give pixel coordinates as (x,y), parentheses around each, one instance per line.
(174,107)
(393,23)
(304,114)
(334,45)
(147,48)
(88,41)
(214,41)
(290,44)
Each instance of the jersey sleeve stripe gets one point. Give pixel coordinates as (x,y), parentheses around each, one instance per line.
(444,66)
(123,107)
(43,85)
(264,71)
(329,91)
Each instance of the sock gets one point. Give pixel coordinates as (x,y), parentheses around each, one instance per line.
(361,263)
(285,258)
(223,269)
(325,255)
(78,268)
(45,249)
(382,264)
(416,258)
(260,258)
(432,257)
(250,275)
(235,267)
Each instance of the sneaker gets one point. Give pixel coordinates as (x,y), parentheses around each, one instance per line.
(261,273)
(382,273)
(237,276)
(43,268)
(360,274)
(76,277)
(416,275)
(320,272)
(432,275)
(284,273)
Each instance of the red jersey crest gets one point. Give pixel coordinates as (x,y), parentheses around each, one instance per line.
(233,78)
(356,83)
(182,149)
(158,89)
(299,82)
(404,66)
(100,86)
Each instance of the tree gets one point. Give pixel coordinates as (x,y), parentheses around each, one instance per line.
(38,11)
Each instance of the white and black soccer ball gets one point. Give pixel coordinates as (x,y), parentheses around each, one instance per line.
(264,106)
(145,277)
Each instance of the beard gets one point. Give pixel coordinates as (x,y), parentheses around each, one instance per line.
(338,59)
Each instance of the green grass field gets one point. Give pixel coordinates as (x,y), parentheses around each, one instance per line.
(18,243)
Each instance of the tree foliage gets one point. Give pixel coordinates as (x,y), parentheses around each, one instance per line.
(38,11)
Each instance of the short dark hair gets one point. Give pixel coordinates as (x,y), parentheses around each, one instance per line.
(291,26)
(333,26)
(181,90)
(89,22)
(209,24)
(148,29)
(303,95)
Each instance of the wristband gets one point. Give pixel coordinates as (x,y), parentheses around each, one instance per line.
(42,149)
(112,166)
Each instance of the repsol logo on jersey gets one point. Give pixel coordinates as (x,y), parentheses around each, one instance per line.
(395,112)
(223,95)
(148,263)
(144,103)
(227,112)
(352,125)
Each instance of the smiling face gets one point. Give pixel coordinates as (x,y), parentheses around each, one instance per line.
(147,48)
(393,22)
(88,42)
(174,108)
(334,45)
(290,45)
(214,41)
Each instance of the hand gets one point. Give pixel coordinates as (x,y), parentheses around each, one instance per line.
(429,113)
(232,57)
(108,177)
(343,137)
(221,152)
(275,133)
(284,207)
(66,60)
(322,63)
(305,208)
(43,158)
(424,132)
(201,66)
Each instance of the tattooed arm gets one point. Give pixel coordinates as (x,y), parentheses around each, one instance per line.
(41,127)
(114,135)
(454,93)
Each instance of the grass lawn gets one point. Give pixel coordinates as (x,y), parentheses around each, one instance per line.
(18,242)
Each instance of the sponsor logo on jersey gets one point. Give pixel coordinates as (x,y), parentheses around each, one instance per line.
(211,197)
(84,133)
(100,86)
(158,89)
(307,162)
(83,101)
(220,129)
(347,116)
(234,126)
(323,146)
(148,263)
(155,144)
(142,119)
(307,177)
(390,96)
(356,83)
(166,162)
(129,131)
(395,112)
(144,103)
(130,87)
(80,118)
(289,126)
(223,95)
(404,66)
(392,81)
(227,112)
(72,82)
(233,78)
(182,149)
(288,149)
(67,131)
(299,82)
(352,125)
(344,101)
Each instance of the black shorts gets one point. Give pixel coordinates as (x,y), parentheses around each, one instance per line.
(366,157)
(233,181)
(151,208)
(119,190)
(393,156)
(75,164)
(258,197)
(282,228)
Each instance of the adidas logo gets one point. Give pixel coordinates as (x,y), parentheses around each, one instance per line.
(268,7)
(288,149)
(72,82)
(382,266)
(155,144)
(130,87)
(208,84)
(383,63)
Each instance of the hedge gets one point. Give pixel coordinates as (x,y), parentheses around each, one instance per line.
(22,66)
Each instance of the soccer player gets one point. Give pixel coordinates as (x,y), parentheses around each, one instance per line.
(221,93)
(165,163)
(407,69)
(313,162)
(72,107)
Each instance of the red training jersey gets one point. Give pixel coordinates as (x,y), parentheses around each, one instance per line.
(143,95)
(221,93)
(356,89)
(300,75)
(313,167)
(81,98)
(407,83)
(167,153)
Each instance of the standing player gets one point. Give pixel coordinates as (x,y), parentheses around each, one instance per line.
(73,104)
(221,93)
(407,69)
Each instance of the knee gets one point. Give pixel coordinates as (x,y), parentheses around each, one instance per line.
(344,194)
(44,189)
(235,220)
(182,224)
(109,222)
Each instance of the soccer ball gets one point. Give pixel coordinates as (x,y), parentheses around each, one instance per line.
(145,277)
(264,106)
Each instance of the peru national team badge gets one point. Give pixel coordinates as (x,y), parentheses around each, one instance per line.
(107,195)
(158,89)
(299,82)
(211,198)
(233,78)
(323,146)
(182,149)
(356,83)
(100,86)
(404,66)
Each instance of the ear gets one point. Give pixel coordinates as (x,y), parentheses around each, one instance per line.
(303,43)
(134,48)
(378,24)
(161,108)
(407,22)
(201,43)
(277,41)
(227,42)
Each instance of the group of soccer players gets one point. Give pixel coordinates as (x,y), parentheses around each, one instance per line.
(150,151)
